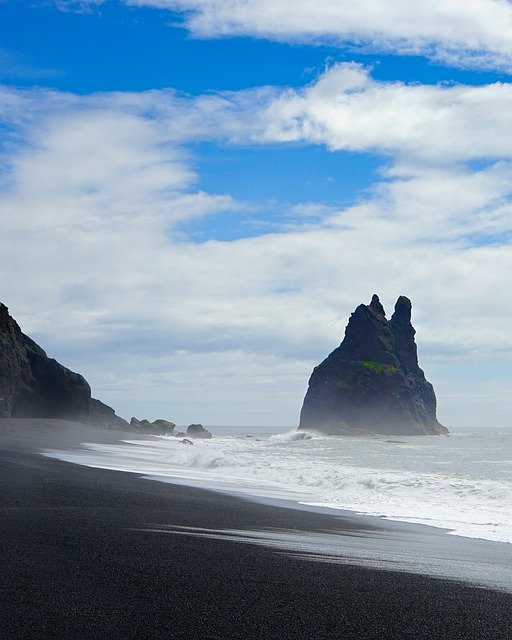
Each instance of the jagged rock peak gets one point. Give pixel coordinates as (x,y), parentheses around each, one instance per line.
(403,310)
(376,306)
(372,382)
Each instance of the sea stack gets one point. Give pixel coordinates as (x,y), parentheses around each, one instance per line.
(372,384)
(32,385)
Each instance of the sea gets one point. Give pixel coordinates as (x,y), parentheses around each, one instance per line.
(460,482)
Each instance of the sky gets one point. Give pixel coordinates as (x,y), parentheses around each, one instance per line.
(196,194)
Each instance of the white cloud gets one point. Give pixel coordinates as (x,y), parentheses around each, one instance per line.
(97,269)
(461,33)
(346,109)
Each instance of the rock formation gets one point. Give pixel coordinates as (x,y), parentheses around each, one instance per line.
(32,385)
(103,415)
(156,426)
(198,431)
(372,382)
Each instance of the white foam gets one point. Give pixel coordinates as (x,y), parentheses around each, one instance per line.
(444,482)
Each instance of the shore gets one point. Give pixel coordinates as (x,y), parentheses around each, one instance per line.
(91,553)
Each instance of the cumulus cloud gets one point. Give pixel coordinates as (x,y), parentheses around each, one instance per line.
(346,109)
(96,191)
(461,33)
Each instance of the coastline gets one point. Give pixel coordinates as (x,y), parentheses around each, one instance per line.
(446,483)
(94,553)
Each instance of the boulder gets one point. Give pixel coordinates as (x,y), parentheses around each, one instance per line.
(165,425)
(372,383)
(198,431)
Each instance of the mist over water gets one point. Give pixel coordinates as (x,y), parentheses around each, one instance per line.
(462,481)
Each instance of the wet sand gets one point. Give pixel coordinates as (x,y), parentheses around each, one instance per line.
(82,557)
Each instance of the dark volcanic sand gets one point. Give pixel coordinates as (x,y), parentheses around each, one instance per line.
(75,565)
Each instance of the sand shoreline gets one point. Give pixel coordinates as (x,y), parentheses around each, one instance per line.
(82,558)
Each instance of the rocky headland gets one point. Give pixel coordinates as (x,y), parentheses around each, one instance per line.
(372,383)
(32,385)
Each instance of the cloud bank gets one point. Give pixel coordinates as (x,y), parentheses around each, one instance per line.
(97,189)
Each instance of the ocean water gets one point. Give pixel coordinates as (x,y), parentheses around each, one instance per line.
(461,482)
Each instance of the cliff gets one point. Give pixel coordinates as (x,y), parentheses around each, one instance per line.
(372,382)
(32,385)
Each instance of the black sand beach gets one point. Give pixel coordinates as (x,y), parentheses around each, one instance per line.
(78,562)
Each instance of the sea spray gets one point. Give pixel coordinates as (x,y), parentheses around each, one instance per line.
(461,482)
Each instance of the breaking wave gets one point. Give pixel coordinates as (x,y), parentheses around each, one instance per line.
(461,482)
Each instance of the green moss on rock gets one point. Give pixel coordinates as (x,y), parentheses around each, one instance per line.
(379,367)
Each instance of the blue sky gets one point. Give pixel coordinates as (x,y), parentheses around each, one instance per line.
(114,47)
(196,194)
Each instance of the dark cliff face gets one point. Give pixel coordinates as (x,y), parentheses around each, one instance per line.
(372,382)
(56,392)
(32,385)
